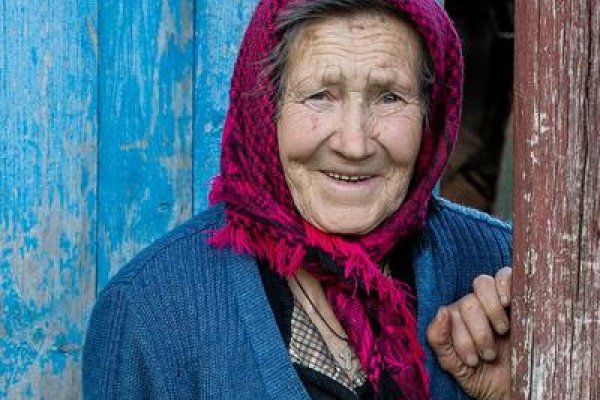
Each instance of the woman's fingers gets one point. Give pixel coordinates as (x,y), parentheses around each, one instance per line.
(503,280)
(485,288)
(439,336)
(478,326)
(474,320)
(468,328)
(461,338)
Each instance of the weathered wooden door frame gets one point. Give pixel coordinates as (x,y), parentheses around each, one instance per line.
(556,285)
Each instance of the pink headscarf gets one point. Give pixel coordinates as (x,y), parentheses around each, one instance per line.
(261,218)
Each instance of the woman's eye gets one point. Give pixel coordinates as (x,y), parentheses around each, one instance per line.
(320,101)
(390,98)
(319,96)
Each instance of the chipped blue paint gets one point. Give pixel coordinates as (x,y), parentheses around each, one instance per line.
(145,161)
(220,27)
(48,140)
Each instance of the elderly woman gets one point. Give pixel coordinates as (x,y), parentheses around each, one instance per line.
(324,268)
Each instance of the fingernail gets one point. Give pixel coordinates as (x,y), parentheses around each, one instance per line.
(501,327)
(472,360)
(439,316)
(489,355)
(504,299)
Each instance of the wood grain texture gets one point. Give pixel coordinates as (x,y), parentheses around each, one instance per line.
(218,35)
(145,117)
(48,154)
(556,306)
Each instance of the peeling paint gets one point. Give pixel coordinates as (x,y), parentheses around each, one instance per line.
(137,145)
(48,188)
(147,169)
(556,281)
(93,33)
(216,48)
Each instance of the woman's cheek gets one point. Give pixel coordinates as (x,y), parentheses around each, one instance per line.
(400,135)
(301,134)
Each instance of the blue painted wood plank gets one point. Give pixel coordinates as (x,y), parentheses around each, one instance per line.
(48,136)
(219,29)
(145,120)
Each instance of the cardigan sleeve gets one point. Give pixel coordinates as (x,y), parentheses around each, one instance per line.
(118,361)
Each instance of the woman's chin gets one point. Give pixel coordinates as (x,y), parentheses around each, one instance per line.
(352,222)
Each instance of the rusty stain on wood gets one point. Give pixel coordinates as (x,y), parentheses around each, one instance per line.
(556,303)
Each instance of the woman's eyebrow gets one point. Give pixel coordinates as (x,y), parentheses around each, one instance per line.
(386,77)
(328,75)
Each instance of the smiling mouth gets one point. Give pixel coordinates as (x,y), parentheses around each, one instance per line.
(348,178)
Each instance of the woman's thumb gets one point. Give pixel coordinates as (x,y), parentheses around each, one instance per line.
(438,332)
(439,336)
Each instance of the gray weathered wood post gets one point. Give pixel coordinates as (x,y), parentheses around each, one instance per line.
(556,286)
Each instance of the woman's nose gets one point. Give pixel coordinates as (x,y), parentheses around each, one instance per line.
(352,138)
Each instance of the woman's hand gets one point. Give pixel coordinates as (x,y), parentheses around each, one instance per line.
(470,337)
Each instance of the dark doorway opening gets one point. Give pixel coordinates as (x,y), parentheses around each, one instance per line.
(480,171)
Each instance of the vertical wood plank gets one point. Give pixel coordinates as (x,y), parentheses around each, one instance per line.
(48,137)
(145,165)
(556,284)
(219,29)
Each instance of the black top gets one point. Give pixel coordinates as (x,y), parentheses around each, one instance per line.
(318,385)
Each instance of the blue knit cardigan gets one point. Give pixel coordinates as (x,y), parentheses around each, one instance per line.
(184,320)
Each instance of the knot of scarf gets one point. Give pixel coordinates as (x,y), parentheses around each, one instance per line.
(373,308)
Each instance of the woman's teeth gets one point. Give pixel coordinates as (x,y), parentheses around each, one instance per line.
(348,178)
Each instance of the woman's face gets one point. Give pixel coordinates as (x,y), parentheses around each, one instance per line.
(350,124)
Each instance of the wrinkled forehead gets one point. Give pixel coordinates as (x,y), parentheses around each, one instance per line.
(373,46)
(375,29)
